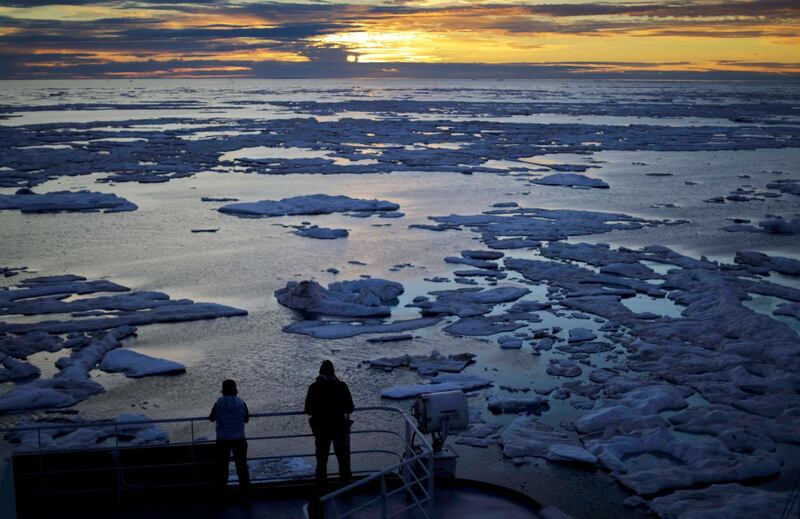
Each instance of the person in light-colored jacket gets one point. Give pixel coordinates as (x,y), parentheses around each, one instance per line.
(230,414)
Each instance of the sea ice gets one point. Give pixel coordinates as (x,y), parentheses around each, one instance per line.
(342,330)
(321,233)
(526,436)
(564,452)
(468,302)
(66,201)
(581,334)
(765,263)
(136,365)
(429,364)
(43,295)
(724,501)
(359,298)
(563,368)
(70,385)
(308,204)
(570,180)
(439,383)
(656,461)
(535,405)
(509,342)
(12,369)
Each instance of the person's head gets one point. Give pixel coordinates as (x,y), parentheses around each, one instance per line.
(326,368)
(229,388)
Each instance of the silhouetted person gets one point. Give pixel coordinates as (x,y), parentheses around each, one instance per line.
(329,403)
(231,413)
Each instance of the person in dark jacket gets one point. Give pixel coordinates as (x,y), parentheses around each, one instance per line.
(329,404)
(230,414)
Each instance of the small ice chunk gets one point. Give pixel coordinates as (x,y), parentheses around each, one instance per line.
(535,405)
(563,368)
(581,334)
(509,342)
(321,233)
(570,180)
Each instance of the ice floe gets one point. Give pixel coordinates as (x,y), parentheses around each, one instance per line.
(527,436)
(570,180)
(44,295)
(720,502)
(359,298)
(673,463)
(321,233)
(136,365)
(439,383)
(523,227)
(72,383)
(342,330)
(762,263)
(534,405)
(307,205)
(66,201)
(426,364)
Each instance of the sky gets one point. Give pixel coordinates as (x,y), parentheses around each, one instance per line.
(399,38)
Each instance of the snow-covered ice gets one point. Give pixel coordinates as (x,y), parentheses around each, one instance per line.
(308,205)
(66,201)
(136,365)
(570,180)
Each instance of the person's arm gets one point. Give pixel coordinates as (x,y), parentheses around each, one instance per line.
(348,400)
(246,412)
(213,416)
(309,405)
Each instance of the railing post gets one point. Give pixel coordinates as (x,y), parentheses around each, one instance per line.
(194,456)
(116,458)
(408,454)
(430,506)
(383,498)
(41,461)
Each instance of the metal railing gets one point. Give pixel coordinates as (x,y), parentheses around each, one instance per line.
(409,463)
(416,477)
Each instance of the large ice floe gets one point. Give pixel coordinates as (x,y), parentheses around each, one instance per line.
(358,298)
(308,205)
(47,295)
(65,201)
(517,227)
(96,327)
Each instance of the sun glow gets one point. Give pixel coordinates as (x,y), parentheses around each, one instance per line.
(597,35)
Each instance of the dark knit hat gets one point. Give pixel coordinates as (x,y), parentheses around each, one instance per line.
(229,387)
(326,368)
